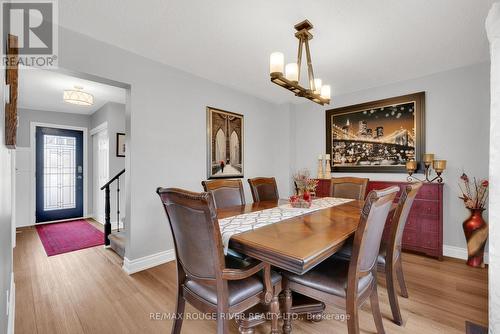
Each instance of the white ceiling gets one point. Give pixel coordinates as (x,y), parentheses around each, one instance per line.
(357,44)
(43,90)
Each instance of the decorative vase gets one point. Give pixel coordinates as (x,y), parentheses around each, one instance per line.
(476,234)
(303,201)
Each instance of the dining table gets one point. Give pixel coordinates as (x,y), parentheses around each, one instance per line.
(296,244)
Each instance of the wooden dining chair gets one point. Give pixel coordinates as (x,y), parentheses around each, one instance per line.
(226,193)
(349,187)
(348,284)
(389,258)
(209,281)
(264,189)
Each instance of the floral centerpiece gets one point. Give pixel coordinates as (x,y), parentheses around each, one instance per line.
(474,195)
(306,187)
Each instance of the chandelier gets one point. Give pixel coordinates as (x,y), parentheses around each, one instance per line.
(291,79)
(78,96)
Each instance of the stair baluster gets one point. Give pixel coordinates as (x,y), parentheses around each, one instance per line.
(107,206)
(107,216)
(118,204)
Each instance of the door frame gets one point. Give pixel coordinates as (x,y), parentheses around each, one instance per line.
(101,127)
(33,126)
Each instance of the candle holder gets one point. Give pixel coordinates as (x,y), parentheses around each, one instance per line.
(438,165)
(328,169)
(321,172)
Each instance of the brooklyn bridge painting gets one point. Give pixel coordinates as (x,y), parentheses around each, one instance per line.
(224,144)
(378,136)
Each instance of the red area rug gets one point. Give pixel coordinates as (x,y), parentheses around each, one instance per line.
(59,238)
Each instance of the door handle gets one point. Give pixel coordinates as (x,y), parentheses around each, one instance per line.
(80,169)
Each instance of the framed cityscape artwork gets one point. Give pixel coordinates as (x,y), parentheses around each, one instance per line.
(378,136)
(224,144)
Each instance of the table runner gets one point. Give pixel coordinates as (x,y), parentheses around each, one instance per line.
(249,221)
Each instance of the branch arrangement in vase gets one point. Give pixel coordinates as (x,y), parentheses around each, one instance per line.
(474,194)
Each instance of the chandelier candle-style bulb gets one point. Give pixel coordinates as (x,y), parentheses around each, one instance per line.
(276,63)
(317,86)
(326,92)
(292,72)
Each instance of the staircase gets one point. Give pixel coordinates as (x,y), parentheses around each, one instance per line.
(116,240)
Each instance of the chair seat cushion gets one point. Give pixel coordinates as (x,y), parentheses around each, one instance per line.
(346,251)
(330,277)
(238,290)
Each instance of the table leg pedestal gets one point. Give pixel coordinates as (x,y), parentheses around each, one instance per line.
(311,308)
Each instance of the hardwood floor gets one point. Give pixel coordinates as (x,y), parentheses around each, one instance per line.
(87,292)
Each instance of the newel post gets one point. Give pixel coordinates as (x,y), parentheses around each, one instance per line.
(107,217)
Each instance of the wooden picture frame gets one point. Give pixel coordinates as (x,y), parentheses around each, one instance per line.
(377,136)
(120,145)
(225,144)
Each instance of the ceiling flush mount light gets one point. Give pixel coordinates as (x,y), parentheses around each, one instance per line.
(78,96)
(290,79)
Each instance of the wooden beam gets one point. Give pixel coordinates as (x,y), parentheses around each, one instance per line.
(11,79)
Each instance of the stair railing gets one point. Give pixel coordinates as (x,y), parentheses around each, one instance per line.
(107,206)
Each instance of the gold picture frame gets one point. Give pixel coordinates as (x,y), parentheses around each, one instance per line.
(225,144)
(378,136)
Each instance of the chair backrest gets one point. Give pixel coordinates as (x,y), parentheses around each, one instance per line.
(370,228)
(195,229)
(400,218)
(349,187)
(264,189)
(226,193)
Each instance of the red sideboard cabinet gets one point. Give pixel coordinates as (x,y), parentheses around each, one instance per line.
(424,230)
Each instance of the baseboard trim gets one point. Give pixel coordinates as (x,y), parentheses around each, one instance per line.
(459,253)
(55,221)
(113,224)
(146,262)
(12,306)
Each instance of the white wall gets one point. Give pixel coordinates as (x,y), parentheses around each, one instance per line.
(457,123)
(25,173)
(5,213)
(166,132)
(493,29)
(23,210)
(26,116)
